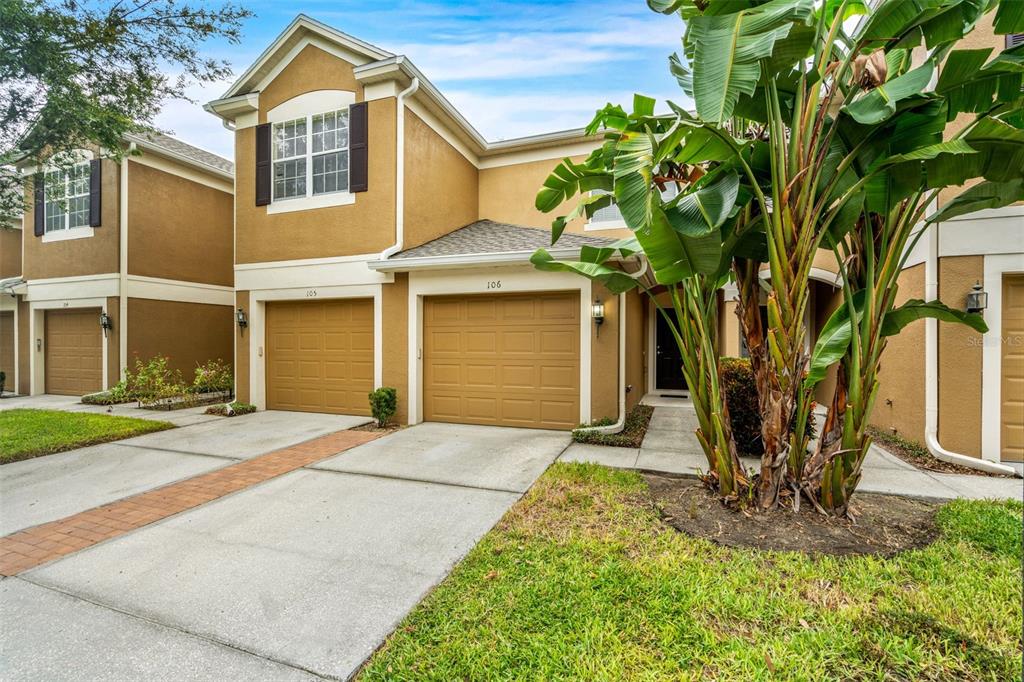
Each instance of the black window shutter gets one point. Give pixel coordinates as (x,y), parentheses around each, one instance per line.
(357,148)
(263,164)
(38,204)
(95,192)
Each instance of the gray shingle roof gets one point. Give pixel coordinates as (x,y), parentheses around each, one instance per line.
(487,236)
(176,146)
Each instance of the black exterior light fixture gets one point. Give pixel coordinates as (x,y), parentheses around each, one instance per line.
(597,312)
(977,299)
(243,321)
(106,322)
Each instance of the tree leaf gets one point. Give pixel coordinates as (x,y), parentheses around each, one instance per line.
(981,196)
(917,309)
(615,280)
(703,211)
(879,104)
(833,341)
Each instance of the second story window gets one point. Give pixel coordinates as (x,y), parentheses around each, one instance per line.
(311,155)
(67,198)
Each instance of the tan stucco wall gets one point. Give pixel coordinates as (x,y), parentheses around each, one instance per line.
(901,377)
(507,194)
(604,353)
(24,348)
(960,357)
(10,252)
(188,334)
(178,229)
(366,226)
(241,341)
(636,347)
(395,304)
(440,185)
(113,341)
(728,330)
(95,255)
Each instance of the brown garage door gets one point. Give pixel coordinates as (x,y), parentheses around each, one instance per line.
(509,360)
(1012,390)
(74,351)
(7,349)
(320,356)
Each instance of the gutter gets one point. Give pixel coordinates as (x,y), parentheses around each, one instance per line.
(931,390)
(621,422)
(400,171)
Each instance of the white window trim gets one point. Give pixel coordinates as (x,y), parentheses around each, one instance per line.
(80,157)
(307,105)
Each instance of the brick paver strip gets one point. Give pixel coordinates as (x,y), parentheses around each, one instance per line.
(35,546)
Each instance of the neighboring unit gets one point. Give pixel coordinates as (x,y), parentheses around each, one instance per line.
(118,262)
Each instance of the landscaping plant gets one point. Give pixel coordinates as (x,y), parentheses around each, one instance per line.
(383,404)
(830,114)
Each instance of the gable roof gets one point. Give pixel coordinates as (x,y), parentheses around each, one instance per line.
(182,151)
(301,27)
(373,64)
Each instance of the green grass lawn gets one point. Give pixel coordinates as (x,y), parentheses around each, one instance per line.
(31,433)
(581,581)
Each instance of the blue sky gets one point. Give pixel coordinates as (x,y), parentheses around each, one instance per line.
(512,68)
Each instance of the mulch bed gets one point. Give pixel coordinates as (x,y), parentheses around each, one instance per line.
(373,428)
(633,430)
(884,524)
(916,456)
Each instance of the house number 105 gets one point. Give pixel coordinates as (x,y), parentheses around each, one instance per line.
(495,284)
(310,293)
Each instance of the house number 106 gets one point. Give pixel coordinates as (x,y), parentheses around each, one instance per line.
(495,284)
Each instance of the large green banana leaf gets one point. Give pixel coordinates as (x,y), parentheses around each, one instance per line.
(968,84)
(981,196)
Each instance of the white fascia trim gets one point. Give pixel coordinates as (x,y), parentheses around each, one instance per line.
(470,260)
(304,262)
(257,331)
(181,291)
(83,232)
(203,177)
(560,151)
(302,22)
(72,289)
(311,275)
(991,363)
(988,232)
(513,280)
(143,143)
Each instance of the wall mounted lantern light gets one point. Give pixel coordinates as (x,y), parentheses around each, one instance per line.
(597,312)
(106,322)
(243,321)
(977,299)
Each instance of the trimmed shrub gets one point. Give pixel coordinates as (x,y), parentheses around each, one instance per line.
(383,404)
(154,381)
(740,388)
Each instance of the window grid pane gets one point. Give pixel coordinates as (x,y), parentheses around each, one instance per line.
(330,172)
(290,139)
(67,198)
(290,179)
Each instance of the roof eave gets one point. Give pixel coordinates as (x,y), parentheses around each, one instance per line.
(466,260)
(150,146)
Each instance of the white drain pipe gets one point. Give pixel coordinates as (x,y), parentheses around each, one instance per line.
(617,426)
(400,171)
(931,386)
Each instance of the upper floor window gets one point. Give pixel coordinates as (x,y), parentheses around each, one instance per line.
(67,198)
(311,155)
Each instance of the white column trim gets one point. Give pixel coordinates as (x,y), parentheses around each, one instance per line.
(995,267)
(122,301)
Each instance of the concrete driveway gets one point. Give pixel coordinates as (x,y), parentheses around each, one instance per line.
(300,577)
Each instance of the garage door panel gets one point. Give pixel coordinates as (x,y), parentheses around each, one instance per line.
(1012,370)
(320,357)
(497,359)
(74,352)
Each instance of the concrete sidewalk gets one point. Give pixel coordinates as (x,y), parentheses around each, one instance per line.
(65,403)
(671,447)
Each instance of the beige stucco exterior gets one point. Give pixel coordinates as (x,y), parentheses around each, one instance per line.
(10,252)
(188,334)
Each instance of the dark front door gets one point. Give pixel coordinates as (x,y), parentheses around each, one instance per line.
(668,365)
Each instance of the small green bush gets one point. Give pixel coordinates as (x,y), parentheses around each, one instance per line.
(154,380)
(631,436)
(213,376)
(740,388)
(383,404)
(233,409)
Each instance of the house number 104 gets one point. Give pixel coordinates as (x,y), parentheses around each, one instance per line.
(495,284)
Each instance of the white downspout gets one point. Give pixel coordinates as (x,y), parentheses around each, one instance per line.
(400,171)
(931,385)
(621,422)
